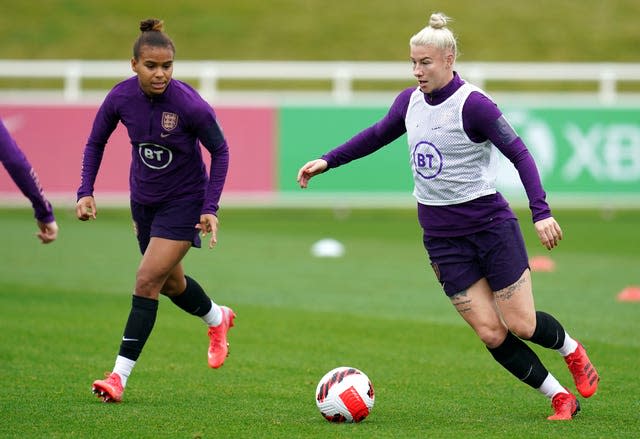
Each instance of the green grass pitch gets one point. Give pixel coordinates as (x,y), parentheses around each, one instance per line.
(378,308)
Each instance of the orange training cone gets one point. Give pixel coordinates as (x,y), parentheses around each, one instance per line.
(630,294)
(542,264)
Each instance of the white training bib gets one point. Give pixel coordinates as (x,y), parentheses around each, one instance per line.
(448,167)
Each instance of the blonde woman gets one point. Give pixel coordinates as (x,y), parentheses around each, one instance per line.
(455,133)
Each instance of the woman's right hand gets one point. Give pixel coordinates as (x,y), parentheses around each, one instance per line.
(310,169)
(48,232)
(86,208)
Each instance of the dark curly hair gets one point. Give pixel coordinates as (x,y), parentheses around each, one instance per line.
(152,35)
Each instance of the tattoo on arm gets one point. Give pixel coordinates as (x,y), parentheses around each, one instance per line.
(461,301)
(507,293)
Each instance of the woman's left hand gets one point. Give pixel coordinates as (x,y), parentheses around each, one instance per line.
(209,224)
(549,232)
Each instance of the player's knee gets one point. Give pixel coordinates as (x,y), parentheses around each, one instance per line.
(173,287)
(147,285)
(523,328)
(492,336)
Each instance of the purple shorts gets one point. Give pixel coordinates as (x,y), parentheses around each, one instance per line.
(175,220)
(497,254)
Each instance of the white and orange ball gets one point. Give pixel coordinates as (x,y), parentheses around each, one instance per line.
(345,394)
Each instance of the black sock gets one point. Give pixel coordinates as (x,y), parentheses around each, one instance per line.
(549,332)
(193,299)
(518,358)
(139,325)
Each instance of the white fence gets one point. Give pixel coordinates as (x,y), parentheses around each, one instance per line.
(341,75)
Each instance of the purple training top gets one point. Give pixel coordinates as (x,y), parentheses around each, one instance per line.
(24,176)
(482,120)
(165,133)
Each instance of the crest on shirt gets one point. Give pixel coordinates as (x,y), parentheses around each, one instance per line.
(169,121)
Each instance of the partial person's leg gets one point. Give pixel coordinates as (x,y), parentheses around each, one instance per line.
(549,333)
(159,261)
(160,258)
(456,264)
(478,308)
(188,295)
(516,305)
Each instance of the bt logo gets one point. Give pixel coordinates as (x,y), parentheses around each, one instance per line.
(155,156)
(427,160)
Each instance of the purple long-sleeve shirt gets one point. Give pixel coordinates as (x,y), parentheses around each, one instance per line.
(24,176)
(165,133)
(482,120)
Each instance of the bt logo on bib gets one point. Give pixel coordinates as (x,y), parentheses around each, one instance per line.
(155,156)
(427,160)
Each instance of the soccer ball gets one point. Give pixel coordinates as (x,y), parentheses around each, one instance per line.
(345,394)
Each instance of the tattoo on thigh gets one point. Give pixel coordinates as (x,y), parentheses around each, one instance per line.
(462,302)
(507,293)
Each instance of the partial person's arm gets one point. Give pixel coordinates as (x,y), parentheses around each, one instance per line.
(366,142)
(483,120)
(371,139)
(25,177)
(104,124)
(212,138)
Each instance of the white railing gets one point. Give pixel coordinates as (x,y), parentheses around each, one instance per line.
(341,75)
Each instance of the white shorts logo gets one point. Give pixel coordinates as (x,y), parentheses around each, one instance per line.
(155,156)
